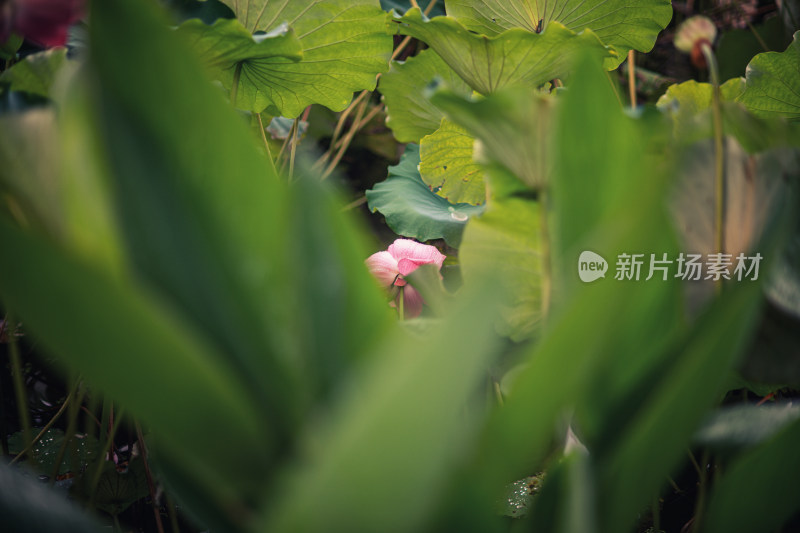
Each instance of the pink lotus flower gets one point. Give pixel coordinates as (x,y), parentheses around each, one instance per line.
(41,21)
(402,258)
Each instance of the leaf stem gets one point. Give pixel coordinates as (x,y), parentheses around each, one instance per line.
(20,392)
(719,154)
(346,141)
(173,514)
(400,304)
(544,237)
(150,485)
(632,77)
(72,426)
(266,145)
(44,430)
(98,472)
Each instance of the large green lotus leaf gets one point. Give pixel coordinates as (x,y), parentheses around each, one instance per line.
(413,210)
(345,45)
(447,166)
(506,240)
(83,451)
(623,24)
(513,57)
(410,114)
(691,96)
(773,83)
(688,106)
(513,126)
(756,187)
(35,73)
(231,52)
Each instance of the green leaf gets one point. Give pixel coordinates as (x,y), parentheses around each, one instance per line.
(691,97)
(512,57)
(447,166)
(411,115)
(513,125)
(189,389)
(603,339)
(413,210)
(773,83)
(756,190)
(234,56)
(29,505)
(649,448)
(745,426)
(623,24)
(345,45)
(689,106)
(783,288)
(9,48)
(280,287)
(732,507)
(115,491)
(29,169)
(194,197)
(506,242)
(45,451)
(35,74)
(396,435)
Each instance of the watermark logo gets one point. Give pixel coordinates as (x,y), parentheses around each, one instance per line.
(690,267)
(591,266)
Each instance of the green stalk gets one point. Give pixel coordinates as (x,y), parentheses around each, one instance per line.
(150,485)
(173,514)
(20,392)
(400,303)
(544,235)
(719,154)
(632,78)
(266,144)
(102,459)
(72,426)
(47,426)
(702,491)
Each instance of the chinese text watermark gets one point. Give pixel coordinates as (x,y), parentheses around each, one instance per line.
(689,267)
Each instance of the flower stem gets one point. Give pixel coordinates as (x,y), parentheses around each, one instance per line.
(20,391)
(632,78)
(69,434)
(719,155)
(400,304)
(150,485)
(266,145)
(98,472)
(544,237)
(47,426)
